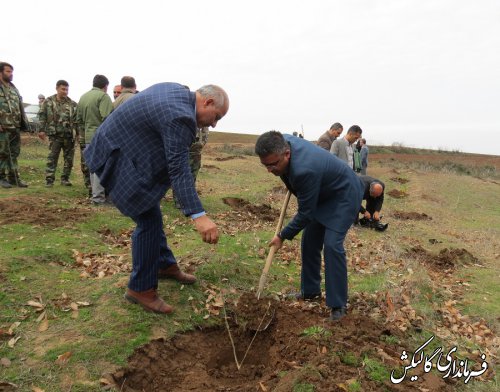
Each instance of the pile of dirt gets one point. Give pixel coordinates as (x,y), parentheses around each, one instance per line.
(253,314)
(397,194)
(400,180)
(38,211)
(300,346)
(446,259)
(410,215)
(229,158)
(263,211)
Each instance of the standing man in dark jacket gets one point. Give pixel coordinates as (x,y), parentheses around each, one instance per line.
(138,153)
(12,121)
(329,195)
(58,121)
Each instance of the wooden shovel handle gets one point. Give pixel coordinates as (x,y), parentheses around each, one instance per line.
(272,251)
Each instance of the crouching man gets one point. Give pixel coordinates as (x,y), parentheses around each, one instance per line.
(374,195)
(329,195)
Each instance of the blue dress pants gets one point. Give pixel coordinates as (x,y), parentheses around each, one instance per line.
(316,238)
(150,251)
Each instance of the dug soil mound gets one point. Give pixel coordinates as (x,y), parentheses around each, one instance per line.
(38,211)
(264,211)
(300,335)
(229,158)
(446,259)
(397,194)
(410,215)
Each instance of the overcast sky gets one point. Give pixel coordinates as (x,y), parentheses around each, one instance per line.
(425,73)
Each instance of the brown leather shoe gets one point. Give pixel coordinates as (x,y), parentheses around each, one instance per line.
(149,300)
(174,272)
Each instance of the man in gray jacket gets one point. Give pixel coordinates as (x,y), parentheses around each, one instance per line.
(343,148)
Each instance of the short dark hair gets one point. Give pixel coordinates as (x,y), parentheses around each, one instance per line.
(355,129)
(3,64)
(128,82)
(100,81)
(336,126)
(270,143)
(62,83)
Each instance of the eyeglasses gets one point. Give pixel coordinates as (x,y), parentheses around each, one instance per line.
(272,164)
(117,92)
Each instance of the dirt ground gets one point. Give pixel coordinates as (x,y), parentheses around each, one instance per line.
(300,334)
(39,211)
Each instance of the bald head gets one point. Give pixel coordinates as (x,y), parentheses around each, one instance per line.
(376,189)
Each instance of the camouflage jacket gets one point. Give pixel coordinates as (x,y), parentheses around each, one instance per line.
(200,141)
(58,117)
(11,108)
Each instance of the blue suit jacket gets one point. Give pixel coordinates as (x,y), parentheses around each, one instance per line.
(327,190)
(141,149)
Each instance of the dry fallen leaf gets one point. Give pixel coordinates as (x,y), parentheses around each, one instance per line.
(44,325)
(83,303)
(13,341)
(36,389)
(41,317)
(13,327)
(63,358)
(73,306)
(36,304)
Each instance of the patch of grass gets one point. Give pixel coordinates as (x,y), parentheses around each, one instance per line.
(316,332)
(303,387)
(376,370)
(354,386)
(369,283)
(349,358)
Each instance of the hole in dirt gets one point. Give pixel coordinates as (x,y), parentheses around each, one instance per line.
(32,210)
(300,346)
(263,211)
(410,215)
(397,194)
(221,159)
(400,180)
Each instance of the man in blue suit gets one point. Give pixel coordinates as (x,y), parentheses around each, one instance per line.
(138,153)
(329,194)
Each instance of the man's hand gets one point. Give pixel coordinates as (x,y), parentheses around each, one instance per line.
(277,242)
(41,135)
(207,229)
(376,216)
(367,215)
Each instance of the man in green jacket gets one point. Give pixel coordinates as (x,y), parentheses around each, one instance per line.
(58,122)
(12,122)
(94,106)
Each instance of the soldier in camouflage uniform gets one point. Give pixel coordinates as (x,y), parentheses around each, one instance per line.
(58,121)
(195,155)
(12,121)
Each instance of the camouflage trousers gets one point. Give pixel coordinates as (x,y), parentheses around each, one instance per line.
(58,143)
(84,167)
(10,148)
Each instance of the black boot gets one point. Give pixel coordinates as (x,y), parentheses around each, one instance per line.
(15,180)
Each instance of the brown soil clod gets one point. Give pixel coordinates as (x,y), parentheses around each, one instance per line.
(397,194)
(446,259)
(263,211)
(410,215)
(254,314)
(400,180)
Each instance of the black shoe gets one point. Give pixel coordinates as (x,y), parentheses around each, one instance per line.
(305,297)
(338,313)
(49,184)
(19,183)
(66,183)
(5,184)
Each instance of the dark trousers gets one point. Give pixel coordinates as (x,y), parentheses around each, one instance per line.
(58,143)
(150,251)
(316,238)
